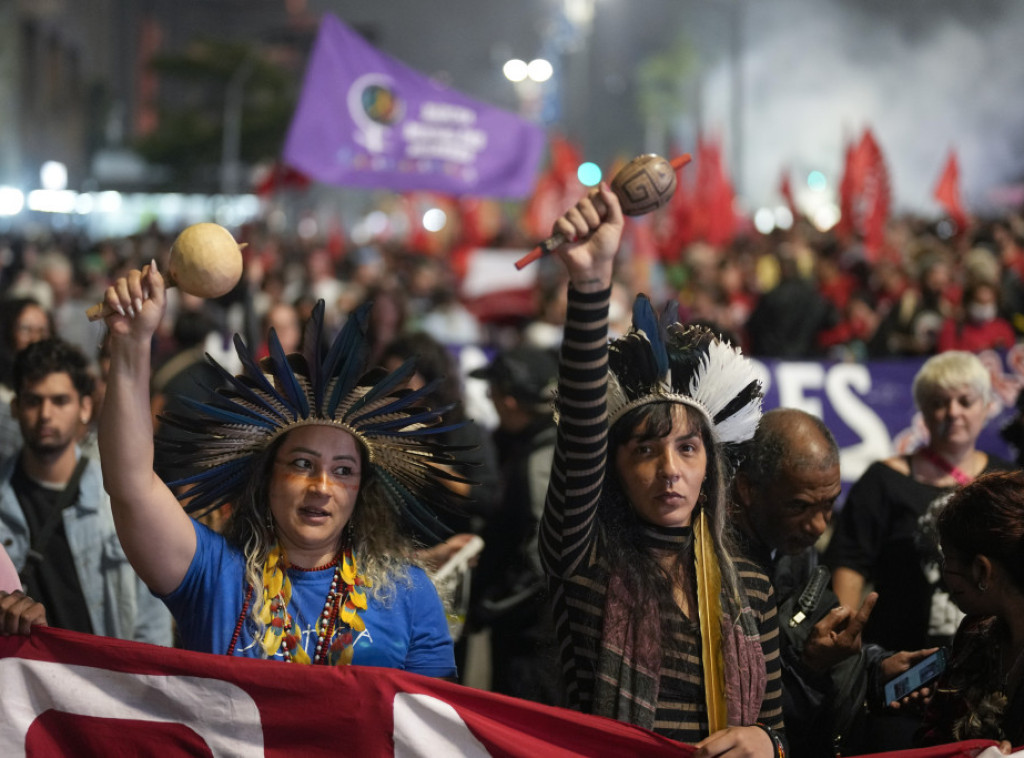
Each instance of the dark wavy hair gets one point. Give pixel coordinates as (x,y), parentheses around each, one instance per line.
(986,517)
(433,362)
(53,356)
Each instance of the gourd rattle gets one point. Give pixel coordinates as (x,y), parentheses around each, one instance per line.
(643,185)
(205,261)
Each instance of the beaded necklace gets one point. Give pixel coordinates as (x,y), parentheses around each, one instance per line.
(335,624)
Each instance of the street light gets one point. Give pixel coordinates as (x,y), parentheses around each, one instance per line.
(538,70)
(527,78)
(12,200)
(515,70)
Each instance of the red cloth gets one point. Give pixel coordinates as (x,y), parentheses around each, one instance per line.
(996,334)
(279,177)
(838,289)
(714,220)
(64,689)
(66,693)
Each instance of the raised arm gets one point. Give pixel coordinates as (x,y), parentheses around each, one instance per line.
(568,524)
(156,533)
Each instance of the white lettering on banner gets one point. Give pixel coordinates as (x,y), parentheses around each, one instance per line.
(793,379)
(426,727)
(447,113)
(845,384)
(30,688)
(452,143)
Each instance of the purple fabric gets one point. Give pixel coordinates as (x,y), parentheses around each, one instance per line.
(9,581)
(365,119)
(746,678)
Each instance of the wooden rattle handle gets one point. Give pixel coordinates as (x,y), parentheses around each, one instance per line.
(102,310)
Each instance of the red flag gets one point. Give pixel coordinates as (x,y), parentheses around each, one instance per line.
(846,190)
(479,220)
(875,196)
(864,195)
(66,693)
(947,192)
(714,219)
(280,176)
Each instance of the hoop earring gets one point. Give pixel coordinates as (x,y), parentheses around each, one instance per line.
(982,586)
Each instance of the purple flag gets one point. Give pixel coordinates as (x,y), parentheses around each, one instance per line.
(366,120)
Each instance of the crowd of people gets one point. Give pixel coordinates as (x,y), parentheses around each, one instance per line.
(652,540)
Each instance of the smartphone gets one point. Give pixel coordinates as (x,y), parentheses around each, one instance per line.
(915,677)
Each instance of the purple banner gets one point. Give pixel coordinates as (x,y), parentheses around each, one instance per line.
(365,119)
(870,408)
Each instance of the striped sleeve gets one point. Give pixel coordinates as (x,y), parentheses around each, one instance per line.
(568,528)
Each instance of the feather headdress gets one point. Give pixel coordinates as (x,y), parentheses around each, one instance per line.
(248,412)
(661,360)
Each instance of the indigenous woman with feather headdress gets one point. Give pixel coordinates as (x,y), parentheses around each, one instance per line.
(659,624)
(318,460)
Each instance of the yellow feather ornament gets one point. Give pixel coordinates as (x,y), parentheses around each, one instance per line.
(709,612)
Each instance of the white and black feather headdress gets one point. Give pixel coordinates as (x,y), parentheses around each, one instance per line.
(661,360)
(225,434)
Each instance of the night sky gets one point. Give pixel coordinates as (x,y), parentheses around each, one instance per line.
(925,75)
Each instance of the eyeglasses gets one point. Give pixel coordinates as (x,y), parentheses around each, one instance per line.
(32,330)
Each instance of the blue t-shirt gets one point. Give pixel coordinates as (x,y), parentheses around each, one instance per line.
(409,633)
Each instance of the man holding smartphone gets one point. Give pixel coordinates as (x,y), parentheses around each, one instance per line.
(784,493)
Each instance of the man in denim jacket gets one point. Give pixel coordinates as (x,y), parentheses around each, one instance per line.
(55,518)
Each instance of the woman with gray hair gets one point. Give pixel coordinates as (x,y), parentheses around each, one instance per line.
(884,534)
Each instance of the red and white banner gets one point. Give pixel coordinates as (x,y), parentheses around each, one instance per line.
(63,693)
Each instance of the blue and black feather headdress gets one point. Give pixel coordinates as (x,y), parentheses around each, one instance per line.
(661,360)
(248,412)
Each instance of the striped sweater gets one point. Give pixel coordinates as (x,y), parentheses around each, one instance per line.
(571,547)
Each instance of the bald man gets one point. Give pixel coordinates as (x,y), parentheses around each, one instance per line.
(783,495)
